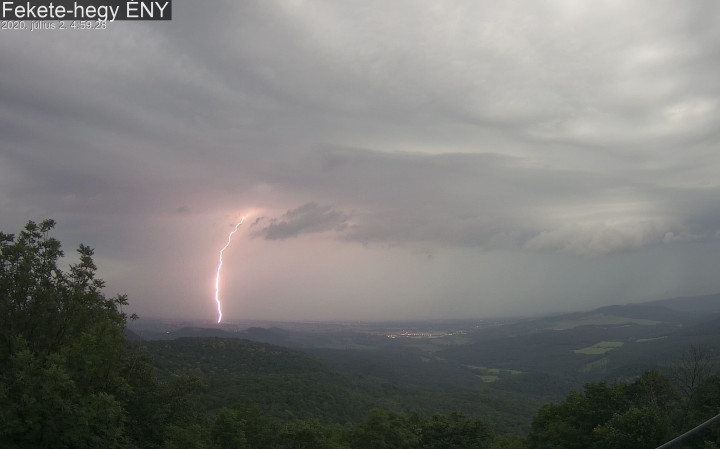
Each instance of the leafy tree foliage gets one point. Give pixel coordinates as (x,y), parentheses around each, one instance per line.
(704,405)
(454,432)
(635,427)
(227,430)
(387,429)
(62,348)
(384,429)
(642,414)
(245,421)
(509,442)
(309,434)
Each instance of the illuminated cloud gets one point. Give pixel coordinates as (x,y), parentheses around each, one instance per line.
(309,218)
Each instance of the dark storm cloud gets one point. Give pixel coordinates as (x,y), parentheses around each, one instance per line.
(309,218)
(493,201)
(300,76)
(543,129)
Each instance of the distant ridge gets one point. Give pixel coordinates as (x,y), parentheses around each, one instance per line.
(200,332)
(695,304)
(684,309)
(132,336)
(273,335)
(649,311)
(681,311)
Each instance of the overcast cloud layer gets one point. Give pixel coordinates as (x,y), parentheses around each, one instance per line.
(396,159)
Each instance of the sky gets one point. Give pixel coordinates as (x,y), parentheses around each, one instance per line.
(396,159)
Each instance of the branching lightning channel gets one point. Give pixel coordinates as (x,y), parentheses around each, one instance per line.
(217,276)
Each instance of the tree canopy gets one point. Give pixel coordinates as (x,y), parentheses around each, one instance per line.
(62,347)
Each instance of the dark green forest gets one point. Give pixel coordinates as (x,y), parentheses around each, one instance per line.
(72,376)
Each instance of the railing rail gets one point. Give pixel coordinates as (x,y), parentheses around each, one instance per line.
(690,432)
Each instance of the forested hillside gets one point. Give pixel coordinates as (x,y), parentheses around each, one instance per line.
(289,384)
(286,384)
(71,378)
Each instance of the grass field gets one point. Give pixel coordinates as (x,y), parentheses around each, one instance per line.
(492,374)
(643,340)
(599,348)
(489,378)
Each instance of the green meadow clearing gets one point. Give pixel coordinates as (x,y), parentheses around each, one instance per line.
(599,348)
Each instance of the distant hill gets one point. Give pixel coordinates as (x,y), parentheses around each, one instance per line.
(198,332)
(691,304)
(132,336)
(273,335)
(290,384)
(286,383)
(619,341)
(652,312)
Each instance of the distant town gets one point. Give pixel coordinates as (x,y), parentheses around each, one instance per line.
(425,334)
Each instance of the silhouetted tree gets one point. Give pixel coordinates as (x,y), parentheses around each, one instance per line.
(62,348)
(608,416)
(687,375)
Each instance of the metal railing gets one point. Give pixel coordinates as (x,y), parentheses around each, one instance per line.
(690,432)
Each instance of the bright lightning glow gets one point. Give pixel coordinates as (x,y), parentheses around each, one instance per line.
(217,276)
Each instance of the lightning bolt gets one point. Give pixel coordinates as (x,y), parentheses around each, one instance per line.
(217,276)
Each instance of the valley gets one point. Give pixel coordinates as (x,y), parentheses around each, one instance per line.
(502,369)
